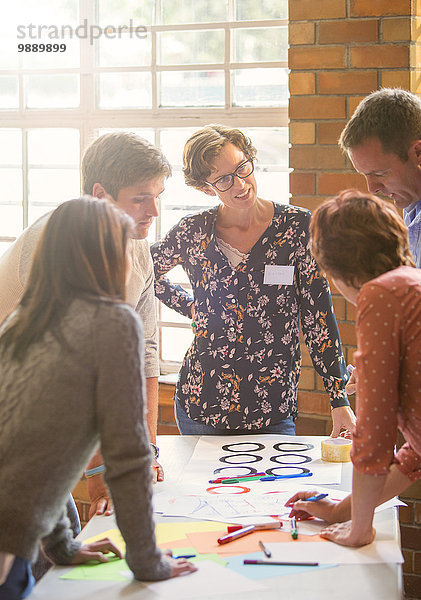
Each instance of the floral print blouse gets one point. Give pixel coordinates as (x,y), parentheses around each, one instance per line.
(242,369)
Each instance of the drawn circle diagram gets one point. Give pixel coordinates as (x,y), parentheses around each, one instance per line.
(234,457)
(250,470)
(292,446)
(225,489)
(289,460)
(243,447)
(298,470)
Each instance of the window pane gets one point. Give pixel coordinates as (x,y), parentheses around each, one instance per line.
(4,246)
(193,11)
(45,11)
(192,88)
(130,12)
(169,314)
(11,180)
(52,91)
(9,95)
(8,51)
(51,147)
(50,187)
(271,144)
(125,90)
(147,134)
(11,215)
(260,87)
(260,44)
(70,58)
(192,47)
(264,9)
(180,200)
(11,219)
(124,52)
(11,147)
(273,186)
(175,342)
(172,142)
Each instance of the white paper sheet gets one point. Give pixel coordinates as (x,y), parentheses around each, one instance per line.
(380,551)
(246,509)
(210,577)
(223,508)
(206,459)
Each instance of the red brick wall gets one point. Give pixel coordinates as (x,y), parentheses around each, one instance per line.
(340,51)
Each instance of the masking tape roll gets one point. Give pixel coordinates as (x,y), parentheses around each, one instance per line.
(336,450)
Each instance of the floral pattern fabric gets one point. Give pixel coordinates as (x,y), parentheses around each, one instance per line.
(242,369)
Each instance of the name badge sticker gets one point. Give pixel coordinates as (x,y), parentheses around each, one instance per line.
(279,275)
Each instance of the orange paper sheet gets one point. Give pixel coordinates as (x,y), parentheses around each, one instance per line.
(206,542)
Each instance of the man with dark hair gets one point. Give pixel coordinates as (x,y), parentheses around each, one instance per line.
(130,172)
(383,142)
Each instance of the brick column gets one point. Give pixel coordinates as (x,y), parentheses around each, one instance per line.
(340,51)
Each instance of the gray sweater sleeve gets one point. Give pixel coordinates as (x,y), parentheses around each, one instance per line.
(59,545)
(120,398)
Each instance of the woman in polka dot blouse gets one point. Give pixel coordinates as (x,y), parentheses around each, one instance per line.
(362,243)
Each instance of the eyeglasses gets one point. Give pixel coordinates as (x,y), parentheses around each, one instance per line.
(224,183)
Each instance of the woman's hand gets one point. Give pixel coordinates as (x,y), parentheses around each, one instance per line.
(99,496)
(96,551)
(351,386)
(345,535)
(343,418)
(323,509)
(157,471)
(179,566)
(193,322)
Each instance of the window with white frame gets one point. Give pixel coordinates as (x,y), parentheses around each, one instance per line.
(160,68)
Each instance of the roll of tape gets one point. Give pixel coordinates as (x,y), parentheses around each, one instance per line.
(336,450)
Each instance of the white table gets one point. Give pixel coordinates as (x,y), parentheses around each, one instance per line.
(348,582)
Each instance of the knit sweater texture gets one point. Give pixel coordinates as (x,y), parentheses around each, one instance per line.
(67,394)
(15,266)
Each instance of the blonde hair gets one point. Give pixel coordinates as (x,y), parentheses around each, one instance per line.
(81,253)
(205,145)
(121,159)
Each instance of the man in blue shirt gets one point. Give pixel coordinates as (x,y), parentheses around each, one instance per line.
(383,142)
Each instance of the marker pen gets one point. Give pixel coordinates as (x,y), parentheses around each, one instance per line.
(230,537)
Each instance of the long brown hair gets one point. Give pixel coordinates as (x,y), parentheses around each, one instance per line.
(82,252)
(357,237)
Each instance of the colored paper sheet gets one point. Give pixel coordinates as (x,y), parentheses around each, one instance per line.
(257,572)
(199,557)
(167,532)
(209,577)
(206,542)
(110,571)
(113,534)
(380,551)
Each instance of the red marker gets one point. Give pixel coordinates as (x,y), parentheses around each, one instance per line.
(230,537)
(261,526)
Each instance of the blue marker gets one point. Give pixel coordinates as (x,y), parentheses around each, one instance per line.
(316,498)
(274,477)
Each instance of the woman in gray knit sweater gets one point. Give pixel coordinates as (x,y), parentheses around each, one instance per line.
(71,372)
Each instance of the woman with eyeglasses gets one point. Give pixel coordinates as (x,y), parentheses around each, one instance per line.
(253,278)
